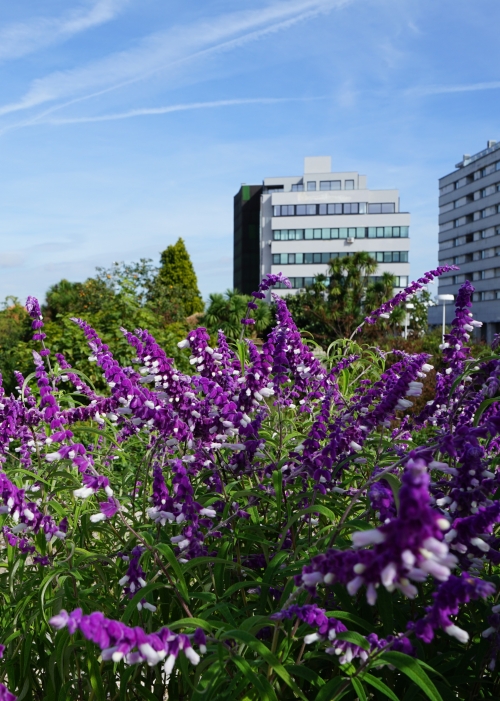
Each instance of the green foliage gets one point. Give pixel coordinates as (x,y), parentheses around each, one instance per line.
(336,304)
(225,312)
(231,596)
(177,280)
(15,327)
(116,297)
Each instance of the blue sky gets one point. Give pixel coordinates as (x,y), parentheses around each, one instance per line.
(127,123)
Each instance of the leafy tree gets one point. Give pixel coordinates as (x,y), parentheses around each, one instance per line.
(176,280)
(225,312)
(336,303)
(15,327)
(116,297)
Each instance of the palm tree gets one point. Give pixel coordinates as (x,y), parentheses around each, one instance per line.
(225,312)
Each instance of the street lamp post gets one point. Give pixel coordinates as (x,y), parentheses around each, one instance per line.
(407,318)
(444,299)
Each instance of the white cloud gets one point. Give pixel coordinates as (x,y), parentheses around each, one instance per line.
(148,111)
(20,39)
(171,49)
(425,90)
(12,259)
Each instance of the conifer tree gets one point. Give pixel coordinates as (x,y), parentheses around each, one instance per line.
(176,276)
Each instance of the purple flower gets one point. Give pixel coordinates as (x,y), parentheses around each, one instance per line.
(406,549)
(118,641)
(447,600)
(402,296)
(134,579)
(6,695)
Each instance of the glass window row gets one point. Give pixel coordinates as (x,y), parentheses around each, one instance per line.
(329,185)
(468,179)
(472,197)
(470,238)
(303,282)
(486,295)
(468,218)
(305,258)
(476,275)
(470,257)
(309,210)
(359,232)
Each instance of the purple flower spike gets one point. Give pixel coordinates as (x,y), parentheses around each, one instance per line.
(447,599)
(118,641)
(406,549)
(6,695)
(267,282)
(33,308)
(402,296)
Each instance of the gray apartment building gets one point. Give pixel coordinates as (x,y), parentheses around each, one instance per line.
(469,235)
(297,224)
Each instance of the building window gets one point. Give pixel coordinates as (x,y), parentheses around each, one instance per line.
(359,232)
(329,185)
(311,185)
(489,211)
(447,188)
(448,225)
(382,208)
(334,209)
(447,207)
(349,185)
(299,187)
(351,208)
(461,202)
(311,209)
(318,257)
(490,190)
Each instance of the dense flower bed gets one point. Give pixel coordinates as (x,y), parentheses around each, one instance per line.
(272,526)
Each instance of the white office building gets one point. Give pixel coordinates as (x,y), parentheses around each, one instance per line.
(309,219)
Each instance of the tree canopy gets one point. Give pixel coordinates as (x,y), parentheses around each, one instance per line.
(177,278)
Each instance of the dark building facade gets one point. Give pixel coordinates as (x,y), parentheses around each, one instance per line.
(469,236)
(246,271)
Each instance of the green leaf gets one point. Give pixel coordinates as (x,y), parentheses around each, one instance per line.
(138,596)
(380,686)
(318,508)
(259,647)
(482,408)
(326,693)
(168,553)
(266,691)
(351,618)
(355,638)
(306,673)
(394,484)
(358,688)
(409,666)
(191,622)
(278,488)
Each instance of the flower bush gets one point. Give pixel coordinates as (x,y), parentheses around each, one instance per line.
(274,525)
